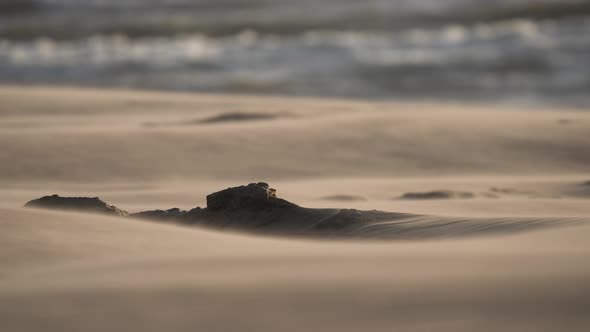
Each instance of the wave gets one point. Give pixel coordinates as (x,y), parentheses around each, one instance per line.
(523,59)
(407,47)
(68,20)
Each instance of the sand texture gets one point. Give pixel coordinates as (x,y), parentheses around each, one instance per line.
(487,214)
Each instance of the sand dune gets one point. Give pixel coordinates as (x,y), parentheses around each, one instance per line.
(69,271)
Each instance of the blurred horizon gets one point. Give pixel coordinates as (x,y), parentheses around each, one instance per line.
(513,51)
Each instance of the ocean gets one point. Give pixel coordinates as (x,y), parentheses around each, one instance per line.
(503,51)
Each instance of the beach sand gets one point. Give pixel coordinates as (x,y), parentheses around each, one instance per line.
(66,271)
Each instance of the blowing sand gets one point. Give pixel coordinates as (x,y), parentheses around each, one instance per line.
(65,271)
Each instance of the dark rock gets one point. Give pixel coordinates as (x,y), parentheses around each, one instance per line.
(508,191)
(239,117)
(254,195)
(437,194)
(174,213)
(86,204)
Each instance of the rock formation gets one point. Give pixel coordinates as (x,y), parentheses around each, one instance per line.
(254,195)
(256,208)
(170,214)
(87,204)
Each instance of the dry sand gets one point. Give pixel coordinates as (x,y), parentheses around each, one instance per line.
(63,271)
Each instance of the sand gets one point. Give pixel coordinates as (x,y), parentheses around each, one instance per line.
(65,271)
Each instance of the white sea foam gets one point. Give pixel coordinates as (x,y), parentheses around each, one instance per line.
(105,50)
(538,58)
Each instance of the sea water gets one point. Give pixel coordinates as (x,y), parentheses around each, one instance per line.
(535,51)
